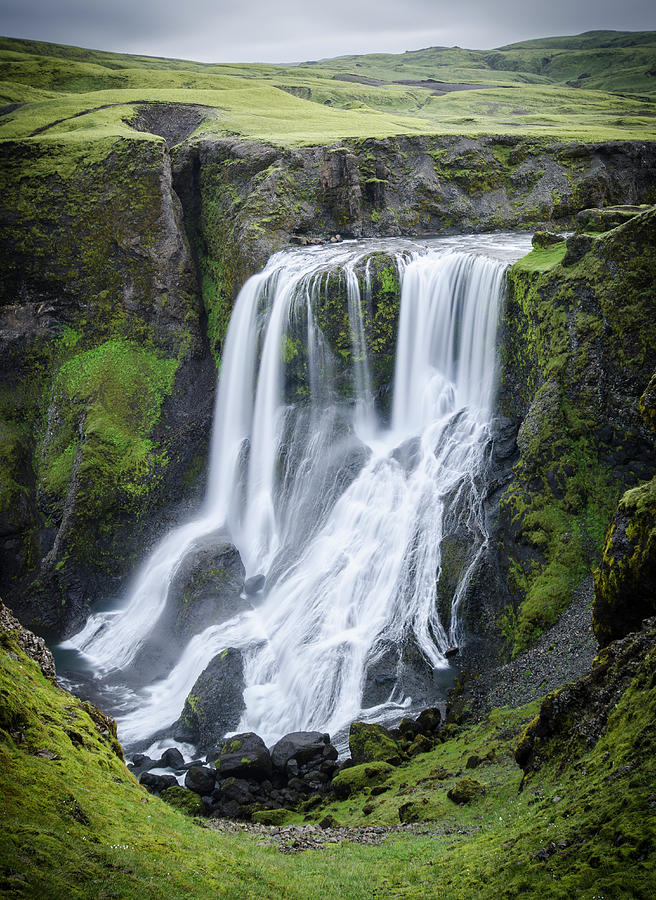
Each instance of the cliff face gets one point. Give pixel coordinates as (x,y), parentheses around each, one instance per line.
(122,266)
(578,350)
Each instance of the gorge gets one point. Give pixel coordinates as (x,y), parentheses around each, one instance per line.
(327,407)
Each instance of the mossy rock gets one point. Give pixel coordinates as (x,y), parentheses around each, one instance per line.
(271,816)
(466,790)
(543,239)
(625,583)
(186,801)
(360,778)
(370,743)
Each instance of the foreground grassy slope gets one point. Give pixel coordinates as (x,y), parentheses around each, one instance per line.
(76,824)
(538,90)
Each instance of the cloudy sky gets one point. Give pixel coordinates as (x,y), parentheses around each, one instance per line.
(295,30)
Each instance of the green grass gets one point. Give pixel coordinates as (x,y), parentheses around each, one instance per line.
(81,827)
(307,104)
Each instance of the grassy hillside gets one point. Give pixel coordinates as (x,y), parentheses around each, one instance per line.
(594,87)
(76,824)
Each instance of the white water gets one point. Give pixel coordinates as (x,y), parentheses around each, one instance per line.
(343,514)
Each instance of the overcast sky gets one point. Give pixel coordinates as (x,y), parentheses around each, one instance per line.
(296,30)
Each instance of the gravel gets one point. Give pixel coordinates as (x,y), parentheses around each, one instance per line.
(562,654)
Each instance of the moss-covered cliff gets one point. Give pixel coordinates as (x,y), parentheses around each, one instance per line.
(578,350)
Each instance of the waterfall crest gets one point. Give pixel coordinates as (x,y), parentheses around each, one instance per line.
(344,513)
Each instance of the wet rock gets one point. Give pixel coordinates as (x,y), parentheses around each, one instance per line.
(171,758)
(546,239)
(215,703)
(244,756)
(254,585)
(303,746)
(157,783)
(200,780)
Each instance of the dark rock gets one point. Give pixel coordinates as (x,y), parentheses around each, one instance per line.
(451,651)
(302,746)
(216,701)
(244,756)
(546,239)
(473,762)
(141,761)
(200,779)
(429,721)
(577,246)
(625,582)
(157,783)
(254,585)
(172,758)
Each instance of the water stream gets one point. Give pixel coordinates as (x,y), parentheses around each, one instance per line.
(340,505)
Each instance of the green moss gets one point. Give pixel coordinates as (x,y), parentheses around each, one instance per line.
(559,322)
(625,583)
(105,405)
(186,801)
(466,790)
(271,816)
(360,777)
(370,743)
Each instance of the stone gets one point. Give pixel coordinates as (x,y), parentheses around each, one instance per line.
(429,721)
(302,746)
(244,756)
(157,783)
(172,758)
(215,703)
(254,585)
(543,239)
(200,779)
(186,801)
(473,762)
(359,778)
(372,743)
(466,790)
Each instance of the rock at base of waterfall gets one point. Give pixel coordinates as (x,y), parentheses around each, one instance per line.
(243,756)
(157,783)
(303,746)
(200,780)
(372,743)
(207,587)
(215,703)
(254,585)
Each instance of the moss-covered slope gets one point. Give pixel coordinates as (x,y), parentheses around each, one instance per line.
(75,823)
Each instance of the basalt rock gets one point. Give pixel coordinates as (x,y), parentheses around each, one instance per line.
(215,703)
(243,756)
(625,582)
(372,743)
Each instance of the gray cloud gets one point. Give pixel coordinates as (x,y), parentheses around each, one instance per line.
(294,30)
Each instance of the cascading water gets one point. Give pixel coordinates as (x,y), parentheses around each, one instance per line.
(343,514)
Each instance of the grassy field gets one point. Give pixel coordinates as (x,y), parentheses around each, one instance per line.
(590,88)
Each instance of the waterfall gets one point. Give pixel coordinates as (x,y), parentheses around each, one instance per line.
(343,511)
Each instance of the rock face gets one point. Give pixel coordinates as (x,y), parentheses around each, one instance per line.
(578,350)
(625,583)
(215,703)
(573,718)
(113,313)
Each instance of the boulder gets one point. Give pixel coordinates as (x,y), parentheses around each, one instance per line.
(207,587)
(359,778)
(243,756)
(429,721)
(466,790)
(186,801)
(171,758)
(200,780)
(157,783)
(215,703)
(303,746)
(372,743)
(543,239)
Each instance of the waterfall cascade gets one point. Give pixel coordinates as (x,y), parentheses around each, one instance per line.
(343,511)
